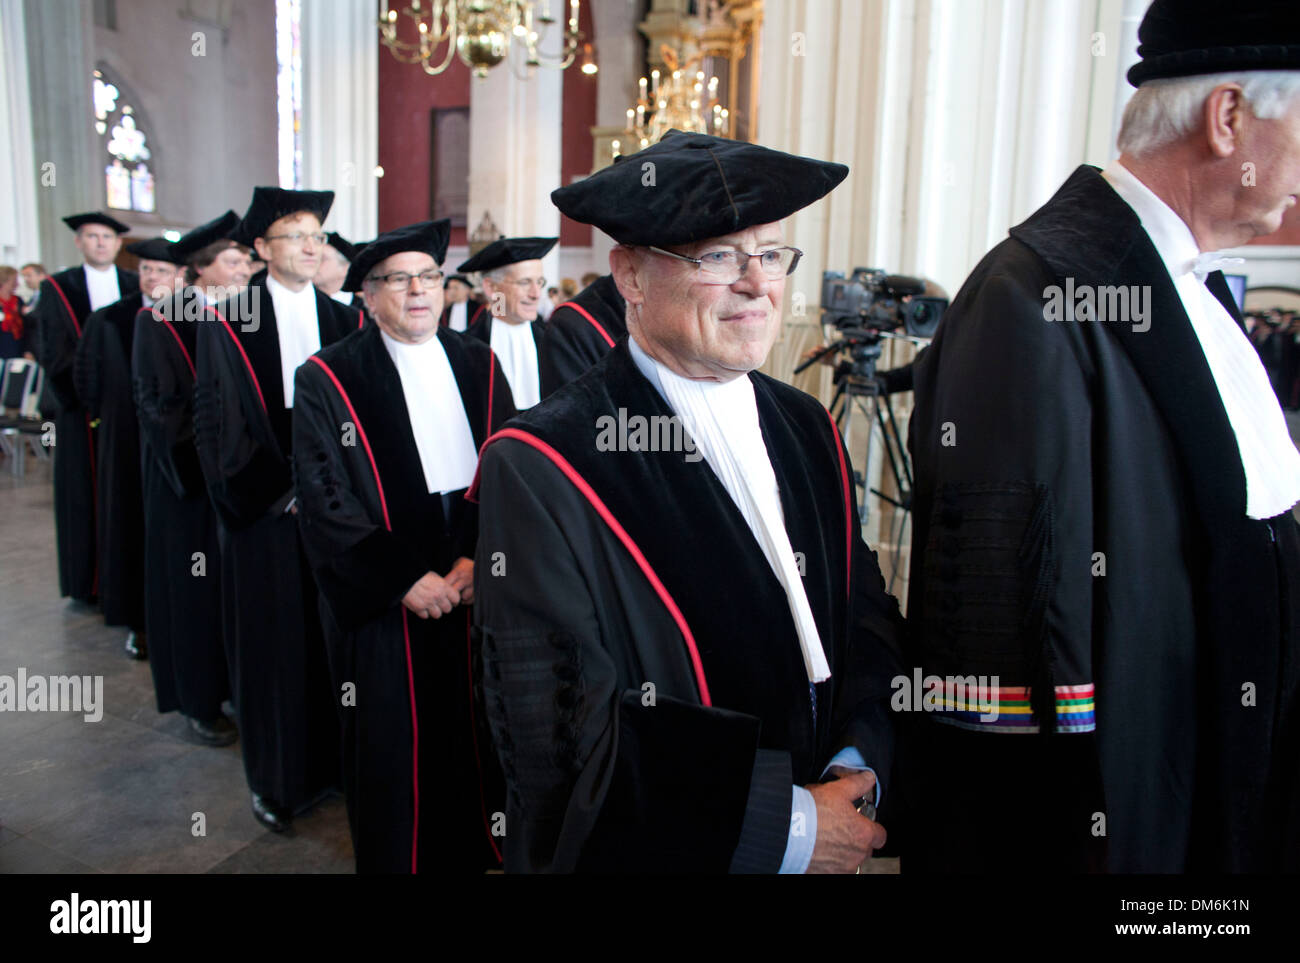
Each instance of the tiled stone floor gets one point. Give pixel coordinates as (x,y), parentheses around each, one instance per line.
(118,795)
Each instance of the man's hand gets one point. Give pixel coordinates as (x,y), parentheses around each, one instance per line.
(461,578)
(431,597)
(844,836)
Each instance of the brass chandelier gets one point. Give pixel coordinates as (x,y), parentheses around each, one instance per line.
(680,98)
(482,33)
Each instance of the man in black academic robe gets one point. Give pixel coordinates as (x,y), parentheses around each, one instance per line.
(335,261)
(513,285)
(667,692)
(102,373)
(580,332)
(243,428)
(393,560)
(66,299)
(1084,529)
(182,561)
(460,308)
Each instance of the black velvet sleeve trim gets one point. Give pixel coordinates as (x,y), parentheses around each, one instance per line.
(365,581)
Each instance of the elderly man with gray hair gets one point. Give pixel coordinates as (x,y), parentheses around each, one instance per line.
(1104,494)
(513,286)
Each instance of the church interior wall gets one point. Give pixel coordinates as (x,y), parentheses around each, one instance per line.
(204,74)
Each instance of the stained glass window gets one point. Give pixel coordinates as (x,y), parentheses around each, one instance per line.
(288,90)
(118,182)
(128,179)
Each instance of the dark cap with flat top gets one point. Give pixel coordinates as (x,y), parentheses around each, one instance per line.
(692,187)
(217,229)
(509,250)
(272,203)
(1187,38)
(426,237)
(76,221)
(157,249)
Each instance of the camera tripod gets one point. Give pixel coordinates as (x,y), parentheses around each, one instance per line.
(860,397)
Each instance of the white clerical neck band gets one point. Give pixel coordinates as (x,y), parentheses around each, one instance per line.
(722,419)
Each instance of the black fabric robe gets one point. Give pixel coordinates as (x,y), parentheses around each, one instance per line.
(182,593)
(482,330)
(412,675)
(580,332)
(63,307)
(278,670)
(614,759)
(1065,439)
(472,309)
(102,376)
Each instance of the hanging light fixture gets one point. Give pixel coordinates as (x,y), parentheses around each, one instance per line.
(680,98)
(482,33)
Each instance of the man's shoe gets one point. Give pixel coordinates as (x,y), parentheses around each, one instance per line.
(219,732)
(135,646)
(270,815)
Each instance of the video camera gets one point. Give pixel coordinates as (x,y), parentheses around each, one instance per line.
(871,301)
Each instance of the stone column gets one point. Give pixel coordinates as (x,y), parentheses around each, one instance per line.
(63,133)
(514,137)
(340,111)
(20,239)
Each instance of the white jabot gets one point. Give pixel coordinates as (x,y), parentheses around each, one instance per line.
(513,344)
(438,420)
(101,286)
(458,318)
(1269,459)
(1207,264)
(342,297)
(297,327)
(723,421)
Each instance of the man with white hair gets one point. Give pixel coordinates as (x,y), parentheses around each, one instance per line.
(390,538)
(513,285)
(1104,491)
(687,645)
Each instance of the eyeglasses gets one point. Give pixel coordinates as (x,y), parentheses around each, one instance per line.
(297,237)
(401,280)
(525,282)
(728,267)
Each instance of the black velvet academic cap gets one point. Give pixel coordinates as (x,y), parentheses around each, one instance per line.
(75,221)
(426,237)
(1184,38)
(217,229)
(344,246)
(508,250)
(157,249)
(697,187)
(272,203)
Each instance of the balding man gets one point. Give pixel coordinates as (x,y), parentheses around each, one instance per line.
(683,631)
(391,540)
(513,285)
(66,299)
(1104,494)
